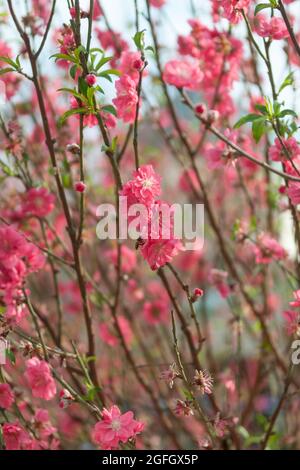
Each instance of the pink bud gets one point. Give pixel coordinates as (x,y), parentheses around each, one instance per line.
(138,64)
(80,187)
(73,12)
(91,79)
(200,108)
(197,294)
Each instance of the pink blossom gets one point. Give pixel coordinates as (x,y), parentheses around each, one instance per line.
(130,64)
(292,320)
(144,188)
(157,3)
(14,436)
(127,98)
(6,396)
(268,250)
(38,202)
(184,408)
(278,153)
(183,74)
(128,258)
(273,28)
(204,381)
(233,9)
(159,252)
(18,259)
(156,312)
(170,374)
(115,428)
(296,302)
(110,336)
(39,377)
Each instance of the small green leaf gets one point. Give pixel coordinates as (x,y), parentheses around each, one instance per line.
(288,81)
(287,112)
(6,70)
(109,109)
(261,6)
(71,112)
(258,129)
(139,40)
(245,119)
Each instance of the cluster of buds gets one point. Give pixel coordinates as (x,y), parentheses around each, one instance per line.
(208,115)
(65,399)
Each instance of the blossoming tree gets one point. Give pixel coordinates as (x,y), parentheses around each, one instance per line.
(122,344)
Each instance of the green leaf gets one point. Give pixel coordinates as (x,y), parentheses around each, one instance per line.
(262,108)
(65,57)
(245,119)
(258,129)
(74,93)
(288,81)
(71,112)
(9,61)
(261,6)
(139,40)
(287,112)
(73,71)
(102,62)
(6,70)
(109,109)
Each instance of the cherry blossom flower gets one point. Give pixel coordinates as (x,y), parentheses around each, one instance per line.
(183,74)
(39,377)
(273,28)
(203,381)
(14,436)
(115,428)
(144,188)
(156,312)
(170,374)
(184,408)
(126,99)
(6,396)
(38,202)
(292,319)
(268,249)
(296,302)
(278,153)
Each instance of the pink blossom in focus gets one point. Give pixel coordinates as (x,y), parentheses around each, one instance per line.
(115,428)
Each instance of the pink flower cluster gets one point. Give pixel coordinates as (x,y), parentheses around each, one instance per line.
(218,56)
(40,380)
(268,249)
(126,99)
(273,28)
(6,396)
(115,428)
(183,74)
(159,245)
(231,9)
(292,317)
(18,259)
